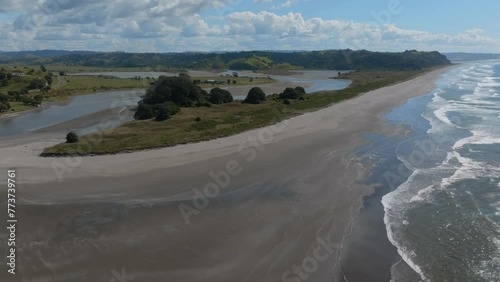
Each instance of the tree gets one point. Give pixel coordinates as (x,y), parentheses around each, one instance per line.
(43,68)
(255,96)
(165,111)
(36,84)
(71,137)
(234,81)
(48,78)
(185,75)
(31,102)
(4,106)
(292,93)
(144,111)
(38,98)
(4,98)
(220,96)
(300,89)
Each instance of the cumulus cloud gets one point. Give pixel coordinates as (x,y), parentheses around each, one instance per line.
(180,25)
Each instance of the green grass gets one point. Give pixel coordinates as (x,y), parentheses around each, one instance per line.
(88,84)
(220,120)
(72,69)
(17,107)
(239,80)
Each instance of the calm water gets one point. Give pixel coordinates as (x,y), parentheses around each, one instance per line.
(78,106)
(321,80)
(443,214)
(83,105)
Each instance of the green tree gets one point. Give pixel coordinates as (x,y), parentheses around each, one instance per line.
(38,98)
(43,68)
(4,106)
(220,96)
(144,111)
(71,137)
(36,84)
(165,111)
(48,78)
(255,96)
(4,98)
(292,93)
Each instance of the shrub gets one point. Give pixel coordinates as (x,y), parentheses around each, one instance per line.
(71,137)
(220,96)
(4,106)
(300,89)
(286,102)
(165,111)
(255,96)
(197,119)
(292,93)
(144,111)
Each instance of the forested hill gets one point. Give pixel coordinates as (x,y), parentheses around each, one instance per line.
(254,60)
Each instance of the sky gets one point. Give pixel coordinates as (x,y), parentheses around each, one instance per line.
(237,25)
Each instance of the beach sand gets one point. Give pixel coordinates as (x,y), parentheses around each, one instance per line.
(277,210)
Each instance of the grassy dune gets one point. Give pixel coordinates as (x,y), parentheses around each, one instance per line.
(220,120)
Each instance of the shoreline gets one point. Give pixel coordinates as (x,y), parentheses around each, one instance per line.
(300,187)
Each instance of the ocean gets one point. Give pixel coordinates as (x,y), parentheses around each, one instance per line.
(443,211)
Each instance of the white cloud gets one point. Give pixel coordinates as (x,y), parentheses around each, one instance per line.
(178,25)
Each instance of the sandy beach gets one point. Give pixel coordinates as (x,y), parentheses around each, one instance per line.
(271,204)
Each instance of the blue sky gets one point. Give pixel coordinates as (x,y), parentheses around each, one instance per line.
(215,25)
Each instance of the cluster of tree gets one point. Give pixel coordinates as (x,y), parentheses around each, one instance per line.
(19,96)
(290,93)
(4,103)
(167,95)
(331,59)
(160,111)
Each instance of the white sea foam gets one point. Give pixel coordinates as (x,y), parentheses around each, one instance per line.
(479,80)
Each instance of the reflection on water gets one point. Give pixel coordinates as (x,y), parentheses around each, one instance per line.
(78,106)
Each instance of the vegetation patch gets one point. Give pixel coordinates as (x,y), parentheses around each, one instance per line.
(194,124)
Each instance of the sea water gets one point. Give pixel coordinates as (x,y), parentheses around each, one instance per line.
(443,213)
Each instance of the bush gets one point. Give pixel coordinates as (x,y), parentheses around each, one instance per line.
(220,96)
(144,111)
(165,111)
(302,98)
(4,106)
(31,102)
(197,119)
(286,102)
(300,89)
(202,104)
(292,93)
(255,96)
(71,137)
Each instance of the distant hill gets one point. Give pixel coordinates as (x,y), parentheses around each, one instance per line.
(250,60)
(471,56)
(38,54)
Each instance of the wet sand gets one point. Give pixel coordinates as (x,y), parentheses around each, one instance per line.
(275,209)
